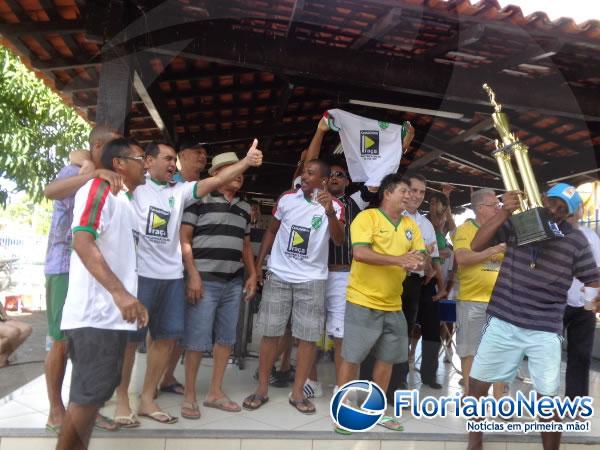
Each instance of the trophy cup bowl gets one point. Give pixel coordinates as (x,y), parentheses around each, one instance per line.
(531,221)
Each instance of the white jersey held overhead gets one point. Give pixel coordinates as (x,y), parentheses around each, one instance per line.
(372,148)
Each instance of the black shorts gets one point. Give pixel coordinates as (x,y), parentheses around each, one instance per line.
(97,357)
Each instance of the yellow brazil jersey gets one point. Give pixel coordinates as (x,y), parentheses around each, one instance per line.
(380,287)
(476,281)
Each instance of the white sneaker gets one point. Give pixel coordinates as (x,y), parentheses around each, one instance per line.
(313,389)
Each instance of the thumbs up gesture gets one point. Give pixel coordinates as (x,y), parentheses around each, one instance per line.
(254,155)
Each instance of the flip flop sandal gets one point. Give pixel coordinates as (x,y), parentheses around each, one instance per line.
(186,407)
(247,404)
(390,423)
(221,404)
(309,407)
(105,424)
(175,388)
(129,421)
(160,417)
(340,430)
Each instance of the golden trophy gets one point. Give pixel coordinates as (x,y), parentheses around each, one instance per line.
(531,221)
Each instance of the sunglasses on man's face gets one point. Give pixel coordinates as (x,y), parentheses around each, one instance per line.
(338,174)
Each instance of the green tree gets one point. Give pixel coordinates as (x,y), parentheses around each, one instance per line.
(22,210)
(37,129)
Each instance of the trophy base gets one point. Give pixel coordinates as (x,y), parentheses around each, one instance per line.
(534,225)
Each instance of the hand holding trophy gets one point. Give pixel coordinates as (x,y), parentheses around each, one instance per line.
(531,221)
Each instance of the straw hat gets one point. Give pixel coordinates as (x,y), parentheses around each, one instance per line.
(222,159)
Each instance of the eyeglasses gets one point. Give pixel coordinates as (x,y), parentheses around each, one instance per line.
(135,158)
(337,175)
(492,205)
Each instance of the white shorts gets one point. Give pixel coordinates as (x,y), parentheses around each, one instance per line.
(335,302)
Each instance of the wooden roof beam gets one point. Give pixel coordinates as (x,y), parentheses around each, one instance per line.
(505,26)
(260,132)
(279,111)
(460,40)
(65,63)
(37,28)
(381,27)
(151,95)
(296,13)
(229,46)
(532,54)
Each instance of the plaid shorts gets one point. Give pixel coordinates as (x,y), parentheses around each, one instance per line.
(304,301)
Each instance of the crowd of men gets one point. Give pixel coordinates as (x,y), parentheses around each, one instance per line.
(164,257)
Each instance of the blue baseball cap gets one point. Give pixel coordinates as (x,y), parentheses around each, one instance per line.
(568,194)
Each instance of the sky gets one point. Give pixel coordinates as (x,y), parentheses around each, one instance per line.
(579,10)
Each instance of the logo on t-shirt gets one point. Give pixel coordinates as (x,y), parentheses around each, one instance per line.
(158,223)
(298,242)
(369,143)
(316,222)
(409,234)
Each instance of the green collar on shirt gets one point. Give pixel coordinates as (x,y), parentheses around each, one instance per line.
(474,223)
(160,183)
(395,225)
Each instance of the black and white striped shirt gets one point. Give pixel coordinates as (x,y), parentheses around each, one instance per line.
(342,254)
(531,290)
(219,231)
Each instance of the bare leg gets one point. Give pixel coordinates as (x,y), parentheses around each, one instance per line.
(348,372)
(192,364)
(337,358)
(123,407)
(304,361)
(12,335)
(478,389)
(382,372)
(550,440)
(498,390)
(221,355)
(313,375)
(158,355)
(465,366)
(54,368)
(266,358)
(169,377)
(284,349)
(77,427)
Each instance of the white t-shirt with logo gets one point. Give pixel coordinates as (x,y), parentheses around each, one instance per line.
(372,148)
(159,208)
(112,221)
(428,233)
(575,296)
(301,246)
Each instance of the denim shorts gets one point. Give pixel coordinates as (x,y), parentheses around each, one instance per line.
(501,351)
(165,302)
(215,314)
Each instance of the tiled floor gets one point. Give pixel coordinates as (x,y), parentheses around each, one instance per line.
(23,413)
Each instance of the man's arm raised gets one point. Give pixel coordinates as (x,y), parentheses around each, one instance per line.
(64,187)
(253,159)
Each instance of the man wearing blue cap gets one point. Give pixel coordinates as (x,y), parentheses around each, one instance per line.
(528,303)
